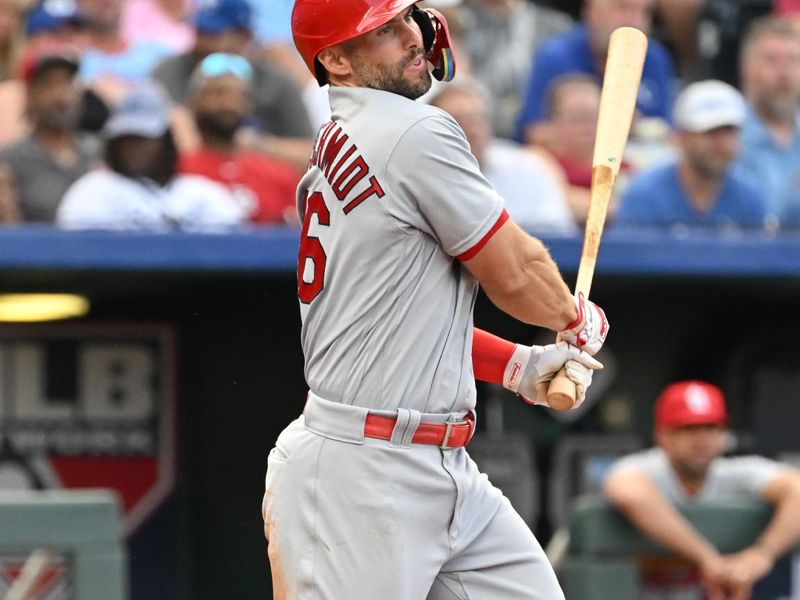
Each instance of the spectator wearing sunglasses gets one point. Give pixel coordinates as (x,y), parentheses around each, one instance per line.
(224,26)
(219,102)
(141,188)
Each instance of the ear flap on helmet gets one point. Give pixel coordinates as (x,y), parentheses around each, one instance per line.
(436,39)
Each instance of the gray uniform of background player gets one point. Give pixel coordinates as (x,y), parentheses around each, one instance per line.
(353,517)
(743,477)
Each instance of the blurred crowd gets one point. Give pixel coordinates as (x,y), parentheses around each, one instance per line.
(199,115)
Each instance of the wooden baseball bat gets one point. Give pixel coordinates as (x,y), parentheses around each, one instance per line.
(626,52)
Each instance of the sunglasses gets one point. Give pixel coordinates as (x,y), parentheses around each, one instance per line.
(218,64)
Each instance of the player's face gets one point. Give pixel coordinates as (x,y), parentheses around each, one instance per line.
(710,153)
(391,58)
(771,72)
(691,450)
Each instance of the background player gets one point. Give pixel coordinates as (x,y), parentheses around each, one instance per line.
(370,494)
(687,466)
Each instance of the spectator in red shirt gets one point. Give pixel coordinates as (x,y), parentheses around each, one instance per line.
(218,100)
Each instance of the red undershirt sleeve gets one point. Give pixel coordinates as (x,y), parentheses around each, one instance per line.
(490,356)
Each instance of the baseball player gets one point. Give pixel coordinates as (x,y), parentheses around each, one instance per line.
(370,494)
(687,466)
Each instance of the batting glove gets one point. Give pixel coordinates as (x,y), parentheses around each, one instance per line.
(589,330)
(531,368)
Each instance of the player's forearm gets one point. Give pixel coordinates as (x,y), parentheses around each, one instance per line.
(783,530)
(535,293)
(552,312)
(490,356)
(656,518)
(516,272)
(666,526)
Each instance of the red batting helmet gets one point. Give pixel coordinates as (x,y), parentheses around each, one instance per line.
(320,24)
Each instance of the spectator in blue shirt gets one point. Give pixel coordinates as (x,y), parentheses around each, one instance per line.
(583,49)
(110,63)
(701,188)
(771,132)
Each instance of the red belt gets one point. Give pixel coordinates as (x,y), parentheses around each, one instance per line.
(453,434)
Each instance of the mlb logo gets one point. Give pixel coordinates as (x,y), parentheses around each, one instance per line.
(89,407)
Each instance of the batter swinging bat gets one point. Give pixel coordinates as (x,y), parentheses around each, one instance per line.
(626,51)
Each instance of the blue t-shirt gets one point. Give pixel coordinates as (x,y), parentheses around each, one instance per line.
(272,21)
(655,197)
(132,64)
(774,168)
(570,52)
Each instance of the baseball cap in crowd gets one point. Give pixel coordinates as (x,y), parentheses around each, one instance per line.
(50,15)
(690,403)
(37,62)
(144,111)
(706,105)
(215,16)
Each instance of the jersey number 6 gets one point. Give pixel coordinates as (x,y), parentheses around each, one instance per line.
(311,250)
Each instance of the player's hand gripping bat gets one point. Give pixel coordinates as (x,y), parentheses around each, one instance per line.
(626,52)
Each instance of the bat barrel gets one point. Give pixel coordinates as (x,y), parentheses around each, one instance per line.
(626,53)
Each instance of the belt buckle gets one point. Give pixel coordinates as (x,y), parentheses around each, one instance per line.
(448,430)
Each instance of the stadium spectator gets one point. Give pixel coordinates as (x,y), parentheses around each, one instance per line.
(50,21)
(11,39)
(720,26)
(141,189)
(224,26)
(771,133)
(701,188)
(9,211)
(164,21)
(687,466)
(567,148)
(678,19)
(44,163)
(788,10)
(583,49)
(500,38)
(219,101)
(533,196)
(110,63)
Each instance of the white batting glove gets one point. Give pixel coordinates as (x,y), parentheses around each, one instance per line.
(589,330)
(531,368)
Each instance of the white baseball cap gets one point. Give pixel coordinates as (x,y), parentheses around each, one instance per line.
(706,105)
(144,111)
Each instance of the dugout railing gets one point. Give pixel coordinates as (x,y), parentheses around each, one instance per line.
(601,563)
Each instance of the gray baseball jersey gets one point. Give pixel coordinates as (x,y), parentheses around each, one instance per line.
(392,199)
(742,477)
(391,196)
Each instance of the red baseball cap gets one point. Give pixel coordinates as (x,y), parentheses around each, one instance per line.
(41,57)
(690,403)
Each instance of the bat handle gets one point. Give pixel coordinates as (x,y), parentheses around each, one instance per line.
(561,392)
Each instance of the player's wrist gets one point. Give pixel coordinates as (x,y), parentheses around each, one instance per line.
(766,550)
(515,367)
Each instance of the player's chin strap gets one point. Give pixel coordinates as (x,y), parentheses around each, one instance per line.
(436,39)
